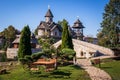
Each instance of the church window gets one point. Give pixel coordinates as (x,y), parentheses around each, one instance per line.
(55,33)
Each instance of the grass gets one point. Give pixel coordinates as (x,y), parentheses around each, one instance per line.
(74,72)
(112,67)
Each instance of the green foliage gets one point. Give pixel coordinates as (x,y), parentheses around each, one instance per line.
(23,61)
(28,58)
(18,73)
(110,26)
(3,58)
(66,37)
(36,56)
(36,31)
(47,49)
(9,35)
(90,39)
(111,67)
(68,53)
(25,45)
(26,62)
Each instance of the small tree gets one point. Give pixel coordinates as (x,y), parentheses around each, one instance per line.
(25,45)
(47,49)
(66,37)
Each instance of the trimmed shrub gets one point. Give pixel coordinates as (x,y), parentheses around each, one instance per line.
(36,56)
(68,53)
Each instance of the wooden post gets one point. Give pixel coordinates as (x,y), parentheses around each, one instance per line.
(99,63)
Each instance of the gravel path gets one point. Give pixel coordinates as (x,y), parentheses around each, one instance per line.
(95,73)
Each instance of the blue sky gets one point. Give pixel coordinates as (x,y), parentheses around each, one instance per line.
(21,12)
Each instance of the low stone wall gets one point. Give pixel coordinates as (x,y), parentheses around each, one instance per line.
(12,52)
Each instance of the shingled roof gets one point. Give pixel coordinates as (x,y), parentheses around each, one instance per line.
(49,13)
(78,24)
(51,26)
(33,39)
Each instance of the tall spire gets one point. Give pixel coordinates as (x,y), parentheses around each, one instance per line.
(49,16)
(49,13)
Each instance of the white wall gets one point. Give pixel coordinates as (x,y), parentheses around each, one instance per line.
(40,32)
(55,31)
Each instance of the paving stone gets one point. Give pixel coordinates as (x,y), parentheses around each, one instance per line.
(95,73)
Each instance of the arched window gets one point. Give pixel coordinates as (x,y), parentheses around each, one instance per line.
(81,53)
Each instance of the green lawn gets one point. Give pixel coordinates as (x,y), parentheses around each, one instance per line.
(19,74)
(112,67)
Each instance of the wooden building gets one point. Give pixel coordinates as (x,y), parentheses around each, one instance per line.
(49,28)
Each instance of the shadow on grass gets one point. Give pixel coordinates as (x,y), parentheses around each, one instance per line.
(105,67)
(5,73)
(76,67)
(61,73)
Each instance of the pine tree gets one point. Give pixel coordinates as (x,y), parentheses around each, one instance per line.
(110,26)
(66,36)
(25,45)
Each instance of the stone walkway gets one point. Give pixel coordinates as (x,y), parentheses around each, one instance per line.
(95,73)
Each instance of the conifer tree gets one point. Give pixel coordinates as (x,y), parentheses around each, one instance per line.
(25,45)
(110,26)
(66,36)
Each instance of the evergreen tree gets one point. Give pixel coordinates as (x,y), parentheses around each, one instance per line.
(25,45)
(9,35)
(66,36)
(110,26)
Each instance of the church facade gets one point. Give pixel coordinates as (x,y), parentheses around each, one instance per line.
(48,27)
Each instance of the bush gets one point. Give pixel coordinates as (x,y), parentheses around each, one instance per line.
(36,56)
(28,58)
(3,59)
(22,60)
(68,53)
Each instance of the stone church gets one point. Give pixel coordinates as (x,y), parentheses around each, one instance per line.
(48,27)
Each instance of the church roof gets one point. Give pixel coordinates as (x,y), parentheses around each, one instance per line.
(78,24)
(43,25)
(17,40)
(49,26)
(49,13)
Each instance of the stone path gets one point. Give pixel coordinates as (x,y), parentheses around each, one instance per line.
(95,73)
